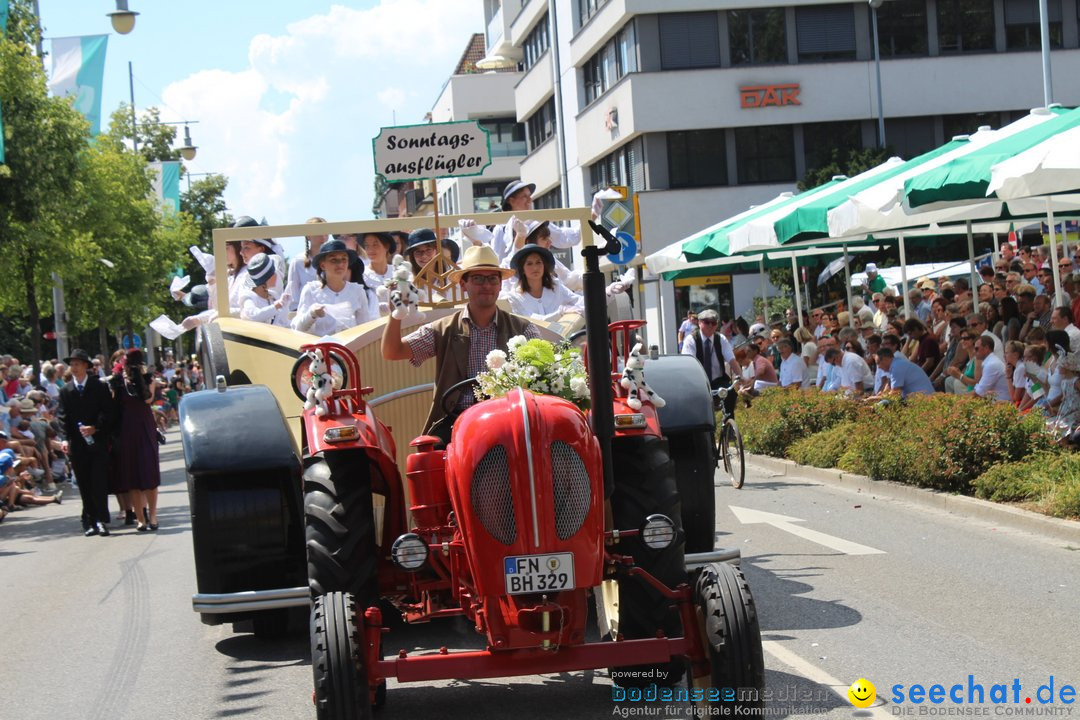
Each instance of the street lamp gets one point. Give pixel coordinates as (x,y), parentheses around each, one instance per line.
(188,150)
(874,5)
(123,20)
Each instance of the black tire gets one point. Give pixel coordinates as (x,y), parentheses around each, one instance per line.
(212,355)
(731,632)
(645,484)
(340,527)
(694,455)
(731,451)
(337,659)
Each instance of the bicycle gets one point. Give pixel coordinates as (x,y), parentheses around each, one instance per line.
(729,446)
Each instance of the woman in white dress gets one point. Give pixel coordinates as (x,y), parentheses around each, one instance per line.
(257,303)
(538,293)
(301,271)
(380,248)
(332,303)
(238,274)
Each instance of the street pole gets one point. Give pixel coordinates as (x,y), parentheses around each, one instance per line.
(847,287)
(564,191)
(1044,28)
(874,5)
(60,316)
(134,126)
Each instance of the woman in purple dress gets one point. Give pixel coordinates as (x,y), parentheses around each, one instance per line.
(136,446)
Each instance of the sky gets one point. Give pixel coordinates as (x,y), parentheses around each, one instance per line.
(287,95)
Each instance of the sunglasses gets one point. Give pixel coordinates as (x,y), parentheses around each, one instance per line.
(707,322)
(485,279)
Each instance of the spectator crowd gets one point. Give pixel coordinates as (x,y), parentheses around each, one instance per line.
(1008,341)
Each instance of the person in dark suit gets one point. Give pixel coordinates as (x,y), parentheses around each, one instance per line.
(86,406)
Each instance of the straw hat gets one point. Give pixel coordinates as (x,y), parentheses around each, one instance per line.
(480,257)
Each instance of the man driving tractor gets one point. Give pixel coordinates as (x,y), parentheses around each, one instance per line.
(460,342)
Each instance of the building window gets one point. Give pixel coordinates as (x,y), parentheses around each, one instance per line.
(536,42)
(588,8)
(697,158)
(689,40)
(911,136)
(541,125)
(902,29)
(968,123)
(487,196)
(824,142)
(757,37)
(965,25)
(1022,30)
(507,137)
(617,58)
(550,200)
(625,166)
(765,153)
(825,32)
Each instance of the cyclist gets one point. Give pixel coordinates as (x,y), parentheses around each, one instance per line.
(715,354)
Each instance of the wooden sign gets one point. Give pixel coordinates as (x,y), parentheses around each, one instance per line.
(433,150)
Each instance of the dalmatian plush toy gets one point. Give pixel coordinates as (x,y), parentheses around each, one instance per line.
(322,383)
(399,293)
(633,379)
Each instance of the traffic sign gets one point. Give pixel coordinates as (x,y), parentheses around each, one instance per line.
(618,214)
(628,251)
(130,341)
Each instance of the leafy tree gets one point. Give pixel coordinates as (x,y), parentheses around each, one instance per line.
(155,140)
(855,162)
(204,201)
(44,138)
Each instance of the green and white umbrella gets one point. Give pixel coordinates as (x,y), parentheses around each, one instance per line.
(1050,168)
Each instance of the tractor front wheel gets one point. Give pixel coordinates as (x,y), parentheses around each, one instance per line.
(340,526)
(644,485)
(728,622)
(337,659)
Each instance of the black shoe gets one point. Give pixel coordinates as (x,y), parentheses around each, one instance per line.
(141,528)
(90,531)
(153,527)
(129,517)
(102,530)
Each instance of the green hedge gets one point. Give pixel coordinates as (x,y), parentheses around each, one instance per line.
(939,441)
(781,417)
(1048,482)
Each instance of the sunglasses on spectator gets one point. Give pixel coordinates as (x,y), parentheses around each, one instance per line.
(485,279)
(967,337)
(707,322)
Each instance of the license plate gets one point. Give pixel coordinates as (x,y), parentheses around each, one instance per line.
(539,573)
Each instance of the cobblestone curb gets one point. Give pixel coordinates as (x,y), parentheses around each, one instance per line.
(1004,515)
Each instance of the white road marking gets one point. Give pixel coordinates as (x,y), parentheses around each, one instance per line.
(748,516)
(815,674)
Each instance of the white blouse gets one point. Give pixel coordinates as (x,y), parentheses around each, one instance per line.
(344,309)
(238,283)
(256,308)
(299,276)
(549,306)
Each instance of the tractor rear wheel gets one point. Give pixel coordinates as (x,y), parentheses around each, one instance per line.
(728,622)
(340,526)
(644,485)
(337,659)
(694,455)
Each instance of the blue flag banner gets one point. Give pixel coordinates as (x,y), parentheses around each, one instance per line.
(167,183)
(3,29)
(78,69)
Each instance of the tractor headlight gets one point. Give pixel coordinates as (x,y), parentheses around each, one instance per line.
(629,421)
(658,532)
(409,552)
(345,433)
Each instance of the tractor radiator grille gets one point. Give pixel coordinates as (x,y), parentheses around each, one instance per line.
(491,498)
(572,490)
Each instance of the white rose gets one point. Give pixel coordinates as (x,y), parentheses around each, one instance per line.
(496,359)
(579,387)
(517,341)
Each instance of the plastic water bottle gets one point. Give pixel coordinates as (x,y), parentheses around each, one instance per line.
(88,438)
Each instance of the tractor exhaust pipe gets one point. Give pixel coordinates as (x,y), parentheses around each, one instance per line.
(598,343)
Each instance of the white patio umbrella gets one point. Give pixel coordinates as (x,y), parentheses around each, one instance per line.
(1051,167)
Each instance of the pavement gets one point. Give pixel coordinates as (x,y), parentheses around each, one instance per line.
(848,585)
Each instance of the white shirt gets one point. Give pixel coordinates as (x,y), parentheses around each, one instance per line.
(713,369)
(344,309)
(792,370)
(262,310)
(854,369)
(299,276)
(1074,337)
(1019,378)
(549,306)
(993,382)
(376,280)
(238,282)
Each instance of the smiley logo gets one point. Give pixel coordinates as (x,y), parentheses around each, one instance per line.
(862,693)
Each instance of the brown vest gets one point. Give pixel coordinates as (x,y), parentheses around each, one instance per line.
(452,352)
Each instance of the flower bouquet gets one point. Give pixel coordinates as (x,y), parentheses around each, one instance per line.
(538,366)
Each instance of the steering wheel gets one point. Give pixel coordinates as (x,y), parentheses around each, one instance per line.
(450,391)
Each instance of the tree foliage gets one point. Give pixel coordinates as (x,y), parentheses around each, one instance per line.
(155,139)
(851,164)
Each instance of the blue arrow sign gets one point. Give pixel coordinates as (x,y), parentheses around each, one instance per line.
(628,251)
(128,341)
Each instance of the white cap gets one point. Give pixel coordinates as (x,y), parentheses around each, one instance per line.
(871,268)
